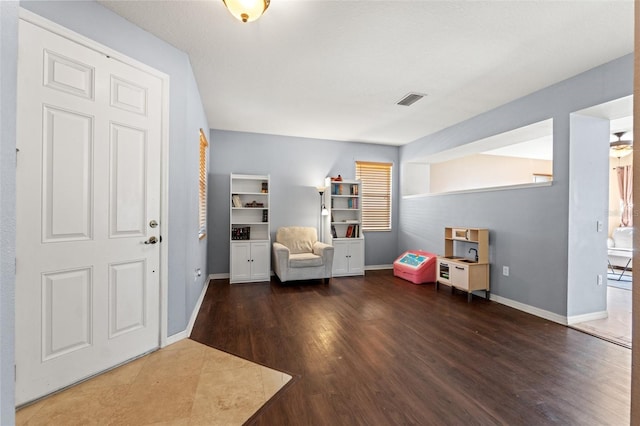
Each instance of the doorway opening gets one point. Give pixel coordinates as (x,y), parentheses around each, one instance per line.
(616,326)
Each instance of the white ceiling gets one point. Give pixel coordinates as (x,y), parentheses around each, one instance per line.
(335,69)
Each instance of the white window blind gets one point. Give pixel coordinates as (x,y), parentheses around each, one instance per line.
(376,195)
(202,185)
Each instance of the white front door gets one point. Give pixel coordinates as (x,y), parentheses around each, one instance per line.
(88,189)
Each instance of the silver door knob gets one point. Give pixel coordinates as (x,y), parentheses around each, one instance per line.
(151,240)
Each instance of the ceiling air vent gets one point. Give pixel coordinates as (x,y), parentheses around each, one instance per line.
(410,99)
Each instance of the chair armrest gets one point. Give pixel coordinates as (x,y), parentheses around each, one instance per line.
(281,251)
(326,251)
(320,248)
(280,261)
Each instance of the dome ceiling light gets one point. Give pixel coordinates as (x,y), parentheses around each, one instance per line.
(246,10)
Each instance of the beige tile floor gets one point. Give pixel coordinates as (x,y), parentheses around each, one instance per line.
(186,383)
(617,326)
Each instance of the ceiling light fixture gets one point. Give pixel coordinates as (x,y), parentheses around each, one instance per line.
(246,10)
(620,148)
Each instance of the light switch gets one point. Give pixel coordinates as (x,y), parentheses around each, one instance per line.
(600,226)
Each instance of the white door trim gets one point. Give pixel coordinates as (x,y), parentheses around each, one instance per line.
(51,26)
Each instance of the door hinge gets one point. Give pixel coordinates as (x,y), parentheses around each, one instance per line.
(17,151)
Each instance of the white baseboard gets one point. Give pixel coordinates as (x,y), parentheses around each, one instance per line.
(575,319)
(192,320)
(218,276)
(225,276)
(196,308)
(377,267)
(176,338)
(560,319)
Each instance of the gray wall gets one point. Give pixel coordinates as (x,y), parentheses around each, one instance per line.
(296,167)
(529,227)
(186,252)
(196,250)
(8,59)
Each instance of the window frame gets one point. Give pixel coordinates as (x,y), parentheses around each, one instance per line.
(381,173)
(203,170)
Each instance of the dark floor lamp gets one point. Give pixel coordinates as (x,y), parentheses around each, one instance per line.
(323,212)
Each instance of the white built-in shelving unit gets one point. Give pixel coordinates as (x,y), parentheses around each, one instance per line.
(249,233)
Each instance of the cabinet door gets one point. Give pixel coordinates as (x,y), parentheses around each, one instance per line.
(240,261)
(459,276)
(260,264)
(356,256)
(340,259)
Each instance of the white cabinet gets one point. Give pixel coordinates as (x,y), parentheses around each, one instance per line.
(348,257)
(344,230)
(250,261)
(249,230)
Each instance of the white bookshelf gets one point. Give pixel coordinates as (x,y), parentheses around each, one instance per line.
(249,230)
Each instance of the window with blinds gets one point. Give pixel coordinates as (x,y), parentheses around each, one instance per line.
(376,195)
(202,186)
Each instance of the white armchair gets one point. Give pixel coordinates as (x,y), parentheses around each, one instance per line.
(298,255)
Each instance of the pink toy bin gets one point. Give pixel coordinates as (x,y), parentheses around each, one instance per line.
(416,266)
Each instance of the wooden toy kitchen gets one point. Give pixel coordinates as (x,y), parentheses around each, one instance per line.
(465,263)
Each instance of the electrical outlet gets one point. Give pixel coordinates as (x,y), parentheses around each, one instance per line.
(505,271)
(599,279)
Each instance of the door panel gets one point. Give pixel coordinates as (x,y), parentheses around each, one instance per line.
(67,312)
(128,96)
(67,75)
(127,297)
(67,175)
(128,181)
(88,184)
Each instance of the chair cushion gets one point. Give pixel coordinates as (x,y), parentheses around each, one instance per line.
(298,239)
(304,260)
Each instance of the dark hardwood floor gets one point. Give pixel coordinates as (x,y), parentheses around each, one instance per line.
(378,350)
